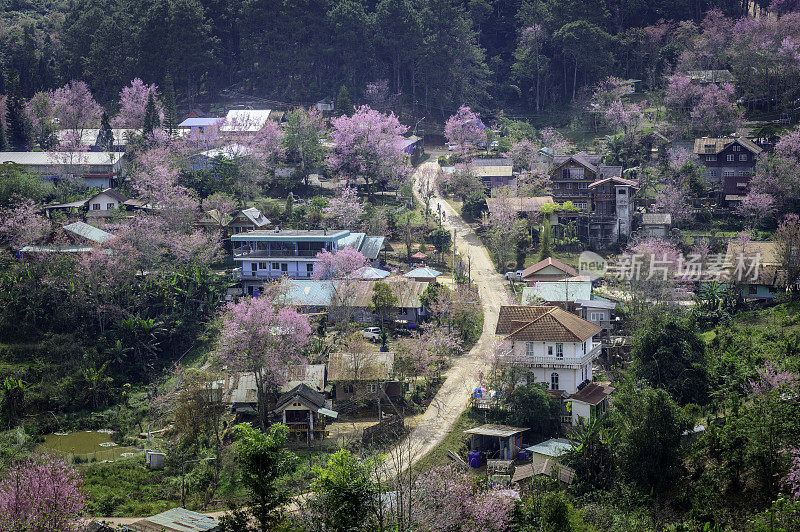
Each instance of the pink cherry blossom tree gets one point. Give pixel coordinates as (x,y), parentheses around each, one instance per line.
(345,209)
(560,145)
(787,238)
(220,202)
(71,141)
(339,264)
(505,231)
(465,129)
(378,95)
(716,111)
(75,108)
(368,145)
(41,492)
(524,154)
(132,103)
(259,337)
(21,224)
(756,206)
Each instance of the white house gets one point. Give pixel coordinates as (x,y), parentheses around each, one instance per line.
(555,345)
(245,120)
(92,168)
(590,401)
(103,204)
(656,224)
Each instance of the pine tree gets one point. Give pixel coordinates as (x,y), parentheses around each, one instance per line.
(289,207)
(105,137)
(170,107)
(151,120)
(18,130)
(545,246)
(343,104)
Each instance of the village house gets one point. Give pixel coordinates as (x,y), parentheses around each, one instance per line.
(494,173)
(245,120)
(548,269)
(89,137)
(199,125)
(77,237)
(572,174)
(272,254)
(762,282)
(555,345)
(210,158)
(563,292)
(655,224)
(730,163)
(104,204)
(612,209)
(501,442)
(318,296)
(304,412)
(91,169)
(590,401)
(363,376)
(246,220)
(596,310)
(413,147)
(523,207)
(423,274)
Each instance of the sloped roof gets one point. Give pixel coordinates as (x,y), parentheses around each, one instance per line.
(422,272)
(370,273)
(767,251)
(253,215)
(605,172)
(553,447)
(113,193)
(89,232)
(713,145)
(500,431)
(230,151)
(245,120)
(549,261)
(200,122)
(312,375)
(495,161)
(372,246)
(555,325)
(53,158)
(589,161)
(311,398)
(319,293)
(656,218)
(596,303)
(88,136)
(616,180)
(593,393)
(360,366)
(569,289)
(512,317)
(545,467)
(407,292)
(310,292)
(175,520)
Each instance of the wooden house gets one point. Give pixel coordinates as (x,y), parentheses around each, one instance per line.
(304,411)
(363,376)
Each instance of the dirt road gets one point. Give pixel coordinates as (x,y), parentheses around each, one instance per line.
(462,377)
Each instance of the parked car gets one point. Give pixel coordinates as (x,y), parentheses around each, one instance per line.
(373,334)
(495,145)
(514,276)
(452,146)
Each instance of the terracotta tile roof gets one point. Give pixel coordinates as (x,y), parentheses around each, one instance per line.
(550,261)
(593,393)
(554,325)
(512,317)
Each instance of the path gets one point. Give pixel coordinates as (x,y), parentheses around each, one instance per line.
(462,377)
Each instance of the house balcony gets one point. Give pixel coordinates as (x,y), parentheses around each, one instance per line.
(554,361)
(239,254)
(265,274)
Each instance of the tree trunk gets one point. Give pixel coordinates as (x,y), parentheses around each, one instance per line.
(574,79)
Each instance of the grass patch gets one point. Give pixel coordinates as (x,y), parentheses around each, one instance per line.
(455,441)
(127,487)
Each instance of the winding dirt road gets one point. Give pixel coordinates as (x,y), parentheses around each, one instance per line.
(462,377)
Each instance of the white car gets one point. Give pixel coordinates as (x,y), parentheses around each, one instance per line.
(514,276)
(372,334)
(452,146)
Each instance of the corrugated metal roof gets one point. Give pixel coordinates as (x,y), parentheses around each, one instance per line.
(89,232)
(319,293)
(65,158)
(554,447)
(360,366)
(712,145)
(371,247)
(566,290)
(297,235)
(353,240)
(310,293)
(200,122)
(230,151)
(518,204)
(89,136)
(176,520)
(245,120)
(423,272)
(370,273)
(500,431)
(656,218)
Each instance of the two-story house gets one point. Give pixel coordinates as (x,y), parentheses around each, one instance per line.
(730,163)
(270,254)
(496,172)
(612,209)
(555,345)
(572,174)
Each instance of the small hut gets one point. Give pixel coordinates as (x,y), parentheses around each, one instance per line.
(304,410)
(497,441)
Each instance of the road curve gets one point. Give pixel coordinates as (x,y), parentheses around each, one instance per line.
(462,377)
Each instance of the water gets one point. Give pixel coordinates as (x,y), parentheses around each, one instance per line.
(86,444)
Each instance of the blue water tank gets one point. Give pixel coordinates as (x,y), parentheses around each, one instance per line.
(475,459)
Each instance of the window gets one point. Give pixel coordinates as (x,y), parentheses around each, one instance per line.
(529,349)
(372,387)
(741,185)
(262,265)
(728,173)
(730,157)
(110,206)
(576,173)
(736,147)
(310,267)
(284,267)
(595,316)
(253,266)
(621,191)
(559,350)
(555,186)
(568,186)
(549,350)
(752,289)
(743,157)
(275,266)
(583,185)
(95,206)
(565,173)
(348,387)
(554,381)
(709,147)
(711,157)
(581,205)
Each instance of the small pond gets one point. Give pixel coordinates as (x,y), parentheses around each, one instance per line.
(86,444)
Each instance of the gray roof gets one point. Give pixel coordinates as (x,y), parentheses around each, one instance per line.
(497,161)
(176,520)
(353,240)
(200,122)
(372,246)
(656,218)
(89,232)
(313,399)
(289,234)
(253,215)
(501,431)
(49,158)
(89,136)
(596,303)
(368,272)
(423,272)
(554,447)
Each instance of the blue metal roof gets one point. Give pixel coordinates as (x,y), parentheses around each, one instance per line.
(200,122)
(554,448)
(310,293)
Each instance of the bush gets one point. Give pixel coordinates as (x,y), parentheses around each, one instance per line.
(474,205)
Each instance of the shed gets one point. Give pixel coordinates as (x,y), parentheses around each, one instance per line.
(154,459)
(590,401)
(175,520)
(498,441)
(553,448)
(423,274)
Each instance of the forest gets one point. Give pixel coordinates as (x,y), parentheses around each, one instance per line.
(520,56)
